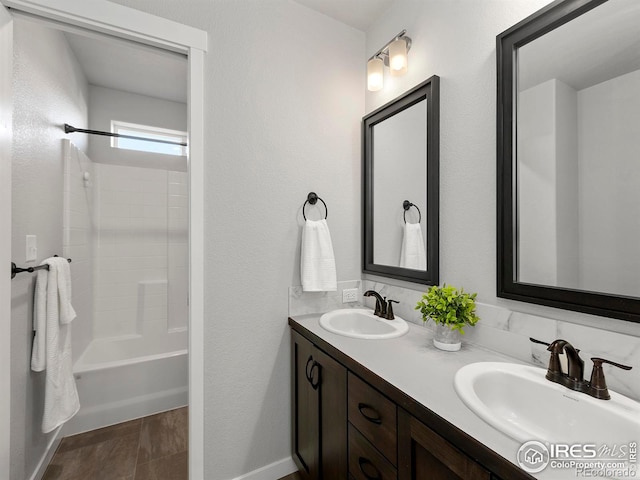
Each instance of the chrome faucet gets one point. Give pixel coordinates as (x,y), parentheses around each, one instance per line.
(574,378)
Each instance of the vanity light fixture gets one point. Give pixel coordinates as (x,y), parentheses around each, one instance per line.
(394,55)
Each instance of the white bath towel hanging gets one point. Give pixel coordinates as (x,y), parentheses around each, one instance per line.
(412,252)
(52,315)
(317,262)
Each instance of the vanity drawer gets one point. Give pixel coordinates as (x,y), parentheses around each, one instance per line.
(365,462)
(374,415)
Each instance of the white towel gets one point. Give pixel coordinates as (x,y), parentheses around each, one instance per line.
(317,263)
(412,254)
(52,314)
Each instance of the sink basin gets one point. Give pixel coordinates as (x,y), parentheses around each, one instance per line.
(362,323)
(519,401)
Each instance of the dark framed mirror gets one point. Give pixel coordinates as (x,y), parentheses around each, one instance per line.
(569,158)
(401,186)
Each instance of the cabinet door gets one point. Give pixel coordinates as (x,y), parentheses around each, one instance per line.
(319,401)
(333,418)
(423,454)
(306,409)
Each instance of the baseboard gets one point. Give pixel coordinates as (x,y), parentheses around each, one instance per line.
(276,470)
(48,454)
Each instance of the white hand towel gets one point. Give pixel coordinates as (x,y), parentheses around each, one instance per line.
(317,263)
(52,343)
(412,253)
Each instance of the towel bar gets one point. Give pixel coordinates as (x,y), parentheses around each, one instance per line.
(15,269)
(312,199)
(407,205)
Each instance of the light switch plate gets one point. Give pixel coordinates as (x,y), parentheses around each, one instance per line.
(31,248)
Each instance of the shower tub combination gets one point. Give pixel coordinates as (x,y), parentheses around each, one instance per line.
(126,229)
(123,379)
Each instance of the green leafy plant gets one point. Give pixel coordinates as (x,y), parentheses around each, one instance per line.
(448,306)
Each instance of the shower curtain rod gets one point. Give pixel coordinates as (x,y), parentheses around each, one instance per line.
(69,129)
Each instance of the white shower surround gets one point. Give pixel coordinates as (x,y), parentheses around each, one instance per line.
(126,229)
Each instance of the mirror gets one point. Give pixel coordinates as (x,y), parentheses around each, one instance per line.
(568,158)
(401,181)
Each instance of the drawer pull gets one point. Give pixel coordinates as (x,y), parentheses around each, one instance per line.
(362,462)
(377,419)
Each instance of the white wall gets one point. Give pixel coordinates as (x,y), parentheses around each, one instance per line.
(537,180)
(547,157)
(455,39)
(284,98)
(284,103)
(106,104)
(567,189)
(49,90)
(609,179)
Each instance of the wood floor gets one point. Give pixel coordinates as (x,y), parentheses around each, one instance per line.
(293,476)
(149,448)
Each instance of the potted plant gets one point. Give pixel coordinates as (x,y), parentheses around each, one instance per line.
(451,309)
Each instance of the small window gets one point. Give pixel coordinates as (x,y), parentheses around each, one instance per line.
(146,131)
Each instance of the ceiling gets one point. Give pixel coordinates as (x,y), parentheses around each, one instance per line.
(122,65)
(359,14)
(131,67)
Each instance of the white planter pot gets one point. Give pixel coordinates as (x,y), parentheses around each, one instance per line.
(447,339)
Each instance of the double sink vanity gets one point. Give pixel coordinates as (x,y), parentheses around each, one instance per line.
(372,403)
(372,398)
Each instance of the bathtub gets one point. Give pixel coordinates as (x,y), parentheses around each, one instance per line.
(126,378)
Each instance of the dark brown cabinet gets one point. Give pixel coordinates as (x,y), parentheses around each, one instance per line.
(350,424)
(319,389)
(423,454)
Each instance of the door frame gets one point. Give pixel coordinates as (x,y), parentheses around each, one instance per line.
(123,22)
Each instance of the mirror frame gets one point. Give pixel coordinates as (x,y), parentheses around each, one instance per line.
(428,90)
(507,43)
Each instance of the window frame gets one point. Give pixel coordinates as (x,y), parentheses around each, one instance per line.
(143,130)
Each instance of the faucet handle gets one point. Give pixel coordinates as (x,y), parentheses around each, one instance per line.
(389,315)
(555,368)
(534,340)
(597,384)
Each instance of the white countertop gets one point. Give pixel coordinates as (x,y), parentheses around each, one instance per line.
(413,365)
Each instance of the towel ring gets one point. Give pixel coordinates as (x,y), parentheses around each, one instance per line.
(407,205)
(312,199)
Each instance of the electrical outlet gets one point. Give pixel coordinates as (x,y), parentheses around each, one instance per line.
(349,295)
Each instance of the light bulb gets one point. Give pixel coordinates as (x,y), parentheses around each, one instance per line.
(375,74)
(398,57)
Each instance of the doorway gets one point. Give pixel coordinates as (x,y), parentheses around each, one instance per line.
(148,290)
